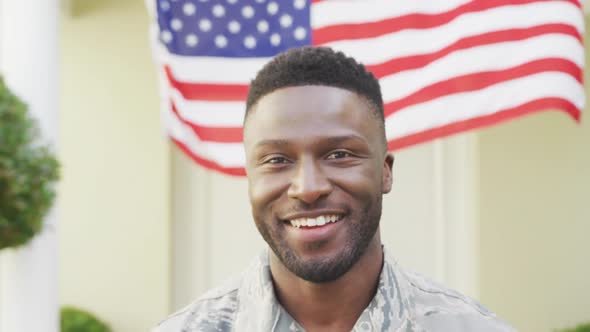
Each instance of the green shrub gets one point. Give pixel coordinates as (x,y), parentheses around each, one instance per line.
(28,171)
(77,320)
(580,328)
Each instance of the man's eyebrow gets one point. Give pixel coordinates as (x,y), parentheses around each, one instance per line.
(344,138)
(272,142)
(326,139)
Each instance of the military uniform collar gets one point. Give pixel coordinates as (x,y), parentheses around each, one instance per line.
(392,308)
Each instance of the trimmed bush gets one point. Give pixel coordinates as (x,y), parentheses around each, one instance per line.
(28,171)
(580,328)
(77,320)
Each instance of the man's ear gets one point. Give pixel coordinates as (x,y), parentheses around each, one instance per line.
(387,173)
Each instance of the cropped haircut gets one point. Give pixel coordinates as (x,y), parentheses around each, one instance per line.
(316,66)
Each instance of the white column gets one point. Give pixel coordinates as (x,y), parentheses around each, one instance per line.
(28,62)
(191,233)
(456,224)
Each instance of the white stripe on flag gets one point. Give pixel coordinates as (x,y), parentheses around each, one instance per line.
(225,154)
(460,106)
(323,12)
(212,69)
(481,59)
(210,113)
(424,41)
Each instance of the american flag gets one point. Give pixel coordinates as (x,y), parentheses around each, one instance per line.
(444,66)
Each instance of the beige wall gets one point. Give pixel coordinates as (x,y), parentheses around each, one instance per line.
(114,196)
(535,220)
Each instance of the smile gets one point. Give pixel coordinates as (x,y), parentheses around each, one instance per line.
(315,222)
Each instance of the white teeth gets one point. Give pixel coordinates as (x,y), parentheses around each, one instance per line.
(311,222)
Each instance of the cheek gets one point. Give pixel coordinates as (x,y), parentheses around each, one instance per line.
(362,183)
(264,191)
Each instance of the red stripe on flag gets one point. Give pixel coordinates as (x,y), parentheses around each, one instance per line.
(211,134)
(538,105)
(374,29)
(477,81)
(418,61)
(210,92)
(236,171)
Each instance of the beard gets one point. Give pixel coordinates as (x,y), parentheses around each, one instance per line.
(360,230)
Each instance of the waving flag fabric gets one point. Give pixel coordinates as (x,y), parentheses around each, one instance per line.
(444,66)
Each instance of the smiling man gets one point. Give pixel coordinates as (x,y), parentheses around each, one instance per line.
(317,166)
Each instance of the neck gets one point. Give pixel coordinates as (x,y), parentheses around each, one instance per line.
(334,305)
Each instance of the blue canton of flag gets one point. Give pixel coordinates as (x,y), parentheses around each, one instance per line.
(233,28)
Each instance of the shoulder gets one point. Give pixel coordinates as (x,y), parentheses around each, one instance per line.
(217,309)
(213,311)
(438,308)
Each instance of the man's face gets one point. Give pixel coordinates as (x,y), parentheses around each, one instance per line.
(315,155)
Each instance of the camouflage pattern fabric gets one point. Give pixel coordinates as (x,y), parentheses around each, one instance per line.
(404,302)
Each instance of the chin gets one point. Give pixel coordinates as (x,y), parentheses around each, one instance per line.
(322,268)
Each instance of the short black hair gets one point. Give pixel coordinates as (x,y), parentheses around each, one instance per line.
(316,66)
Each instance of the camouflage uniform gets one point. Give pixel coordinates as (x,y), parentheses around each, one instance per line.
(404,302)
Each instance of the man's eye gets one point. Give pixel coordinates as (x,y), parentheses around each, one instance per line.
(338,155)
(276,160)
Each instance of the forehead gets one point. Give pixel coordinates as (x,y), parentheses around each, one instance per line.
(311,111)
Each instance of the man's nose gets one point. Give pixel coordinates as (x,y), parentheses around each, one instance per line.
(309,182)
